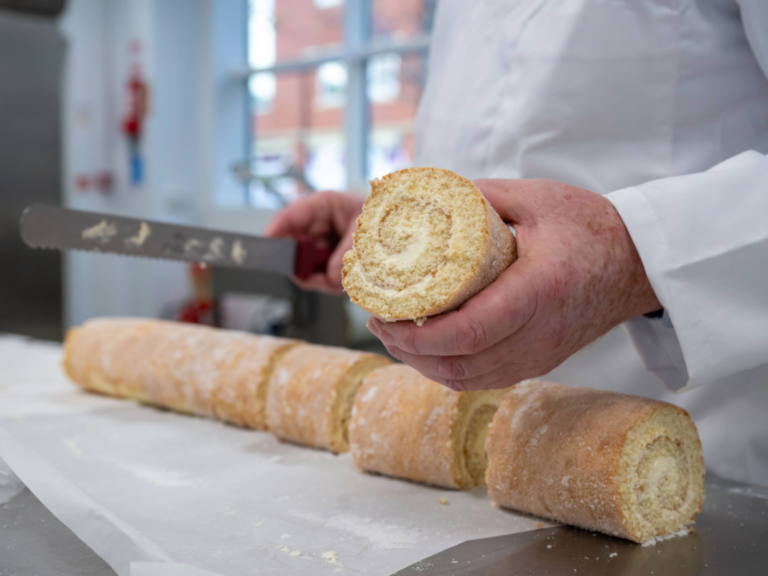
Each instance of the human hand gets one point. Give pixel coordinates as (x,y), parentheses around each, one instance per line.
(317,216)
(578,274)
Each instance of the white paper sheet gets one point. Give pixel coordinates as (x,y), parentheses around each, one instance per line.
(10,484)
(160,494)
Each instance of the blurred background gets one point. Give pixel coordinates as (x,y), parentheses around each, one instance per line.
(207,112)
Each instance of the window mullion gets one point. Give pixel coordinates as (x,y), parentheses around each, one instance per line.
(357,34)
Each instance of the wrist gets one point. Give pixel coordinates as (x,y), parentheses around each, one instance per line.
(641,298)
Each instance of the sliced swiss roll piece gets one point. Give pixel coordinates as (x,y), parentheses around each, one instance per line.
(185,363)
(104,355)
(311,391)
(241,397)
(408,426)
(618,464)
(184,367)
(427,240)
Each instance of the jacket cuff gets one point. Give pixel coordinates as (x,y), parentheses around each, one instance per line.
(656,343)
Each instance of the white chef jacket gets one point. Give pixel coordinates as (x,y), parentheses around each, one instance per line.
(662,105)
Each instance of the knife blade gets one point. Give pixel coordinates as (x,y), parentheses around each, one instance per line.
(45,226)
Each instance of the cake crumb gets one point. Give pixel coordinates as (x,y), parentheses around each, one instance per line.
(420,321)
(690,530)
(443,500)
(494,504)
(613,555)
(331,557)
(539,525)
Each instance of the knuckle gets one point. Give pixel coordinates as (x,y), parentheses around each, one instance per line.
(470,337)
(452,368)
(407,337)
(455,385)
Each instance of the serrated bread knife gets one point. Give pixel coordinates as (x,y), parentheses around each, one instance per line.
(44,226)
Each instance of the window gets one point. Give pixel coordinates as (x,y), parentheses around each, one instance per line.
(331,84)
(333,88)
(383,78)
(262,49)
(328,3)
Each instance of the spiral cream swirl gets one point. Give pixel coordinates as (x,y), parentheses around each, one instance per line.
(663,477)
(411,241)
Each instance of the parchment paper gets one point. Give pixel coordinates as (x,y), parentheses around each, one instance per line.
(159,494)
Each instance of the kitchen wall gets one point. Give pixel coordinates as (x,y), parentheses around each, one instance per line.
(169,42)
(192,54)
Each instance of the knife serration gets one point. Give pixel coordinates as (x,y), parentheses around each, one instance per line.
(44,226)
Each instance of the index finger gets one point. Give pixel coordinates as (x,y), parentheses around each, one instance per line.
(306,217)
(485,319)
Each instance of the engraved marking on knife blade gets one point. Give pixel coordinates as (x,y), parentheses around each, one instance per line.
(174,247)
(102,232)
(141,236)
(239,254)
(215,249)
(191,247)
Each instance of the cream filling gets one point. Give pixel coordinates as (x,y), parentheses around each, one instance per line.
(662,479)
(475,457)
(661,475)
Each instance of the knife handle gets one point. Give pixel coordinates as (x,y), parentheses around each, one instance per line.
(312,255)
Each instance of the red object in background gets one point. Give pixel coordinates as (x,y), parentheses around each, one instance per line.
(101,182)
(199,308)
(136,108)
(136,104)
(104,182)
(83,182)
(196,312)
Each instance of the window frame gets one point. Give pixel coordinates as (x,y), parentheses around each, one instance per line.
(357,47)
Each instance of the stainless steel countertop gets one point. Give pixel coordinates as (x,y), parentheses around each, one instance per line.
(730,537)
(34,542)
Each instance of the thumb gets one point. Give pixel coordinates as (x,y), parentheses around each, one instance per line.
(516,201)
(336,261)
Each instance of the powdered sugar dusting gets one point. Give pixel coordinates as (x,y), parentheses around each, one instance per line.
(155,476)
(369,394)
(530,400)
(652,542)
(379,534)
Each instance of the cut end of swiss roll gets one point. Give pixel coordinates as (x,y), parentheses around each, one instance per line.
(407,426)
(311,391)
(476,411)
(661,475)
(427,240)
(618,464)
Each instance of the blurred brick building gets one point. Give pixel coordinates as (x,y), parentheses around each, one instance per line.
(297,117)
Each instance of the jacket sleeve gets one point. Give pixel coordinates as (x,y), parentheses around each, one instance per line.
(754,15)
(703,239)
